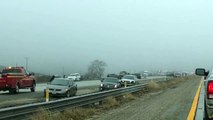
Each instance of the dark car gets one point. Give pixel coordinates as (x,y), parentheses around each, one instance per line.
(122,73)
(62,87)
(138,75)
(113,75)
(109,83)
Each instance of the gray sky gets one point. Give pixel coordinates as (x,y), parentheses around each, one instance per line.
(132,35)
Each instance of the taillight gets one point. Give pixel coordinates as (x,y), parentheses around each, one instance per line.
(210,90)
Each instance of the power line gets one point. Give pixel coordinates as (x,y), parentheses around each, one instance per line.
(26,58)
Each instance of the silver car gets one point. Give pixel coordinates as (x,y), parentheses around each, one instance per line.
(129,79)
(62,87)
(208,84)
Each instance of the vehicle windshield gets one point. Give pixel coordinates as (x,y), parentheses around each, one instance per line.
(11,71)
(60,82)
(112,75)
(111,80)
(128,77)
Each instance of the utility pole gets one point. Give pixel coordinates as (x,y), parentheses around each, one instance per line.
(63,72)
(27,58)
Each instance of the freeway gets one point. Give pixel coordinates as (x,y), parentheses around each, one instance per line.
(90,83)
(25,96)
(81,84)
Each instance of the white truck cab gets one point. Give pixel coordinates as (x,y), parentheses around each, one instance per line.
(74,76)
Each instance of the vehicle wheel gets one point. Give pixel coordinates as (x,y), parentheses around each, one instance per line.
(68,94)
(44,93)
(16,90)
(11,91)
(75,92)
(33,88)
(206,117)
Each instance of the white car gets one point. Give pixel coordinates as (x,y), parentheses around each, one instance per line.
(130,80)
(74,76)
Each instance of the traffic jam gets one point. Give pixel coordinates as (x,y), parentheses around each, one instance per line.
(58,87)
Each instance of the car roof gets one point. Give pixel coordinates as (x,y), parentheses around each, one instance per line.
(62,79)
(111,78)
(6,68)
(130,75)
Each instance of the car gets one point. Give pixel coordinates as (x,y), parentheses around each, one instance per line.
(74,76)
(145,74)
(113,75)
(62,87)
(138,75)
(177,74)
(122,73)
(109,83)
(15,78)
(129,80)
(208,91)
(170,74)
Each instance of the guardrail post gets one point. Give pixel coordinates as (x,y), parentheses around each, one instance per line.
(125,84)
(100,102)
(47,94)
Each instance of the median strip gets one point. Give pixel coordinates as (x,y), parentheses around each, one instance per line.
(191,114)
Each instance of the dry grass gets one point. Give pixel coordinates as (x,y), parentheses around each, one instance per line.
(128,97)
(42,115)
(73,114)
(171,83)
(78,114)
(108,103)
(152,85)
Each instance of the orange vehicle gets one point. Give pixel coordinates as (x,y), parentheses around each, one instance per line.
(15,78)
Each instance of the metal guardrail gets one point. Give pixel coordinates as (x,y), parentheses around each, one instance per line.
(200,107)
(24,111)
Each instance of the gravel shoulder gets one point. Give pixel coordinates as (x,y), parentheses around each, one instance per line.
(170,104)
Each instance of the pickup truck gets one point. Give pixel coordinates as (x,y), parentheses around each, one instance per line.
(15,78)
(208,92)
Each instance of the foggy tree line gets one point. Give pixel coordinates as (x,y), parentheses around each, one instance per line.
(96,70)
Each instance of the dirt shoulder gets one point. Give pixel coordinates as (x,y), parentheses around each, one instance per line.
(173,103)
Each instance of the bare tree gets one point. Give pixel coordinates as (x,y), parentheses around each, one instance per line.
(96,69)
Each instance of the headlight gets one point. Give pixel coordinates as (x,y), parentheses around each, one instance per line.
(116,86)
(102,85)
(66,90)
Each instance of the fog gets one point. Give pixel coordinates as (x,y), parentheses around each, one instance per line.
(132,35)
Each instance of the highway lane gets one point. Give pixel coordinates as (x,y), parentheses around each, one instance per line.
(91,83)
(81,84)
(26,97)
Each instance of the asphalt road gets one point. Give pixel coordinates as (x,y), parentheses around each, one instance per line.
(26,97)
(89,83)
(171,104)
